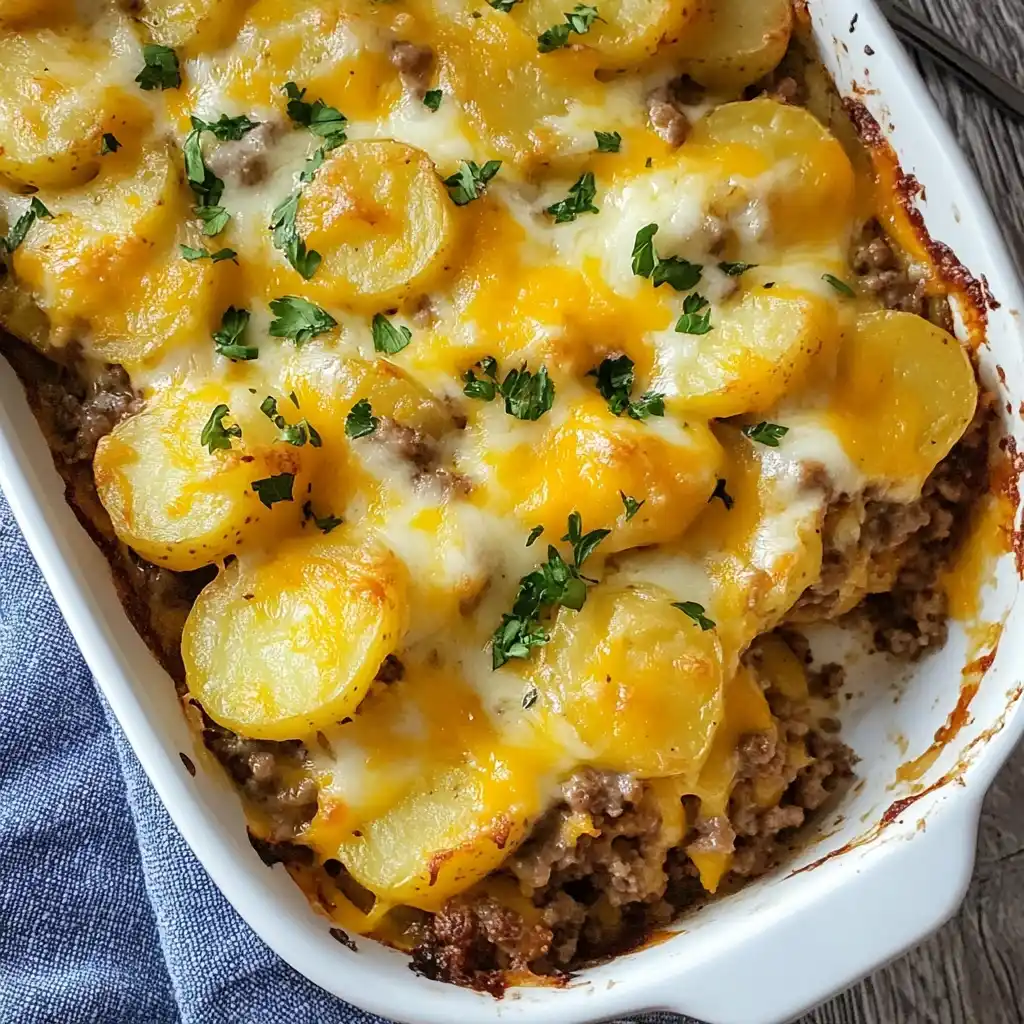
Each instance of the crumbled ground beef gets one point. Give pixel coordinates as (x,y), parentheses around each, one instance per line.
(84,412)
(882,559)
(421,452)
(666,108)
(882,272)
(597,894)
(244,161)
(270,776)
(414,64)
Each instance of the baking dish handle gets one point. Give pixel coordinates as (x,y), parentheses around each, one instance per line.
(857,912)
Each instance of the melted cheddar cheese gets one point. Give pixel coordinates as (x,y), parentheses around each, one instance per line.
(398,301)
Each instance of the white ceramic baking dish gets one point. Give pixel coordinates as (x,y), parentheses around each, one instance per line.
(890,865)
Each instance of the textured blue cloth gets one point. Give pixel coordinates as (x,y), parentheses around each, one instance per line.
(106,916)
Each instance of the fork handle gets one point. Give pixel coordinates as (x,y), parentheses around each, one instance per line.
(925,37)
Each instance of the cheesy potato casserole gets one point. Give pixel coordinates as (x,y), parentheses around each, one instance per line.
(477,399)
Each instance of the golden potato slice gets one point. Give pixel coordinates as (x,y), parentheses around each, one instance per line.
(811,188)
(192,26)
(730,44)
(904,394)
(458,825)
(281,647)
(587,462)
(638,679)
(327,384)
(381,219)
(760,347)
(492,60)
(101,237)
(55,106)
(182,506)
(18,13)
(627,31)
(171,304)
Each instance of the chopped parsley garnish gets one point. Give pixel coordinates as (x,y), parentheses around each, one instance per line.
(696,318)
(840,285)
(109,144)
(735,269)
(360,421)
(228,340)
(644,257)
(292,433)
(327,122)
(227,129)
(215,435)
(287,240)
(696,612)
(615,380)
(503,5)
(323,523)
(388,338)
(529,698)
(469,181)
(579,200)
(723,495)
(298,319)
(432,99)
(631,505)
(205,185)
(214,218)
(189,253)
(608,142)
(273,489)
(578,20)
(527,395)
(161,70)
(534,534)
(17,234)
(312,165)
(482,388)
(766,433)
(681,274)
(552,584)
(583,544)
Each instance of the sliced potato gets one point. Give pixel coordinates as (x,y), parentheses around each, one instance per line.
(458,825)
(101,237)
(181,506)
(493,60)
(760,347)
(55,106)
(282,647)
(904,394)
(381,219)
(730,44)
(810,183)
(585,463)
(637,678)
(192,26)
(171,304)
(627,31)
(327,384)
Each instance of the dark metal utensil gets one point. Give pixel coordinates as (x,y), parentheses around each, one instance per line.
(924,36)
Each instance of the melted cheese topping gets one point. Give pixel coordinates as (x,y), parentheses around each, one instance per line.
(405,546)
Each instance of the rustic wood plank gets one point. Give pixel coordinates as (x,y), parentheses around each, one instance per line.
(972,970)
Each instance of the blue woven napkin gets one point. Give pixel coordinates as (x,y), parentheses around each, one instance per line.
(106,916)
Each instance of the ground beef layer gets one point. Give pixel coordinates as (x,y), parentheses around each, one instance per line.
(601,894)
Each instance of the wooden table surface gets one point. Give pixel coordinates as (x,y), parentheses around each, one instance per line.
(972,971)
